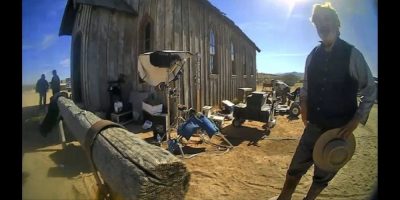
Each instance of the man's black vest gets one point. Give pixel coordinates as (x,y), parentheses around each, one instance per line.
(332,92)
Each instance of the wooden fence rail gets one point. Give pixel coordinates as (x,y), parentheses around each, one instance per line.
(131,167)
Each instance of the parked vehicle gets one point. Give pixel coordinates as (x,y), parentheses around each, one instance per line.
(256,109)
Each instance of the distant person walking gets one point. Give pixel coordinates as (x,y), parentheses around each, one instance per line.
(41,87)
(55,83)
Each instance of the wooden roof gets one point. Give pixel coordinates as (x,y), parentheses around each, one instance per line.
(70,11)
(122,5)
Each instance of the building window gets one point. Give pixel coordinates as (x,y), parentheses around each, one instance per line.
(233,59)
(147,38)
(146,35)
(213,62)
(145,44)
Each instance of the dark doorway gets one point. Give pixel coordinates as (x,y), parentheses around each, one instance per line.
(76,70)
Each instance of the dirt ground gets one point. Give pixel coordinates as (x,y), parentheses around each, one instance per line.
(254,169)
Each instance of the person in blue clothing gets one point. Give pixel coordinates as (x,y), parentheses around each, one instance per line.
(335,72)
(42,87)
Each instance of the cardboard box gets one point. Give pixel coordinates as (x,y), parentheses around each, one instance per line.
(152,109)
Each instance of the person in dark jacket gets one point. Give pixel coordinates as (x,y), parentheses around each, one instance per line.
(55,83)
(41,87)
(335,72)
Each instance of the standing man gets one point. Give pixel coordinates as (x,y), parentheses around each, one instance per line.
(55,83)
(335,71)
(41,87)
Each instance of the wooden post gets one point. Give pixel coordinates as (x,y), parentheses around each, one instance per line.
(197,81)
(167,118)
(130,166)
(61,133)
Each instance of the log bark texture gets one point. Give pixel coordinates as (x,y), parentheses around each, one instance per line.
(131,167)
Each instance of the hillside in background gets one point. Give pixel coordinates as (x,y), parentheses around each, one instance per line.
(289,78)
(298,74)
(28,87)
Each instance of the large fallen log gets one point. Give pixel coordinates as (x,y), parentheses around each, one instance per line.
(130,166)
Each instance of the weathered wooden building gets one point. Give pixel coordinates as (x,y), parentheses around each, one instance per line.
(108,36)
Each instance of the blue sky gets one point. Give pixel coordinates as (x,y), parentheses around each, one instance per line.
(280,28)
(285,35)
(42,49)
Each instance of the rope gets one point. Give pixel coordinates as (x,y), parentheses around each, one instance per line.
(226,147)
(207,153)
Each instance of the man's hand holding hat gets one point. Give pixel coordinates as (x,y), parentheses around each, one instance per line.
(346,130)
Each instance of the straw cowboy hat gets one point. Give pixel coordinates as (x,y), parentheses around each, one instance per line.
(332,152)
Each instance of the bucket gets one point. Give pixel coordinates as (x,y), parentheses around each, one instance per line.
(188,128)
(207,111)
(206,124)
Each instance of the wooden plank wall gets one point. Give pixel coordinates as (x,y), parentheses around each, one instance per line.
(194,29)
(82,26)
(97,50)
(184,25)
(122,28)
(177,39)
(110,47)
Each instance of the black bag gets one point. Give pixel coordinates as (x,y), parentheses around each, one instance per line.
(163,59)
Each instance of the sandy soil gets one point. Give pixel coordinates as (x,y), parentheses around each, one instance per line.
(254,169)
(31,98)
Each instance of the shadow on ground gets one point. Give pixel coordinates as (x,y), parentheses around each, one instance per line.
(70,162)
(31,138)
(252,135)
(290,118)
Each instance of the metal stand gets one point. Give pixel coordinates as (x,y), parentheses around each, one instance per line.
(177,140)
(167,118)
